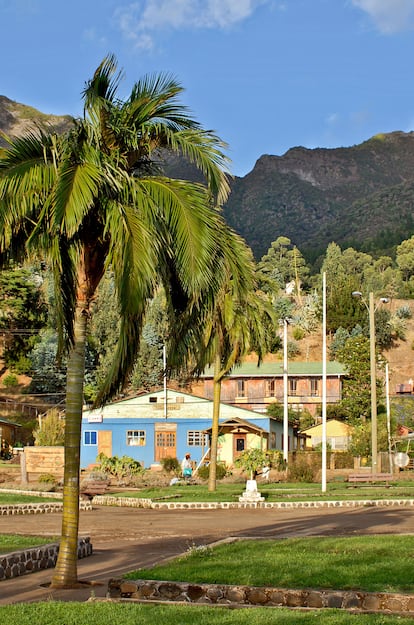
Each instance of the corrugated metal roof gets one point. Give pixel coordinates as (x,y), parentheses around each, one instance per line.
(274,369)
(6,422)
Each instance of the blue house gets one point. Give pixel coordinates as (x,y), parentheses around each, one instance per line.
(156,425)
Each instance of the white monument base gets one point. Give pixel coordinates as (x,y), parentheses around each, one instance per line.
(251,494)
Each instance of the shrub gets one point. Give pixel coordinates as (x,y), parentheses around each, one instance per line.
(344,460)
(293,349)
(404,312)
(124,468)
(298,333)
(51,430)
(23,365)
(47,478)
(204,471)
(301,471)
(10,380)
(171,465)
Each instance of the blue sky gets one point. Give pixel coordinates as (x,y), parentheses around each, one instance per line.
(266,75)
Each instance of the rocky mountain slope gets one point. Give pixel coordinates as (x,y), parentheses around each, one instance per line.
(361,196)
(17,119)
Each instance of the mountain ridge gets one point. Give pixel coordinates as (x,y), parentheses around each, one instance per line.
(360,196)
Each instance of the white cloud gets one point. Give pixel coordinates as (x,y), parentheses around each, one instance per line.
(139,20)
(332,119)
(389,16)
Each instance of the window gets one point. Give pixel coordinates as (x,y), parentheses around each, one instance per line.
(196,438)
(153,400)
(241,388)
(292,386)
(90,437)
(271,388)
(314,387)
(136,437)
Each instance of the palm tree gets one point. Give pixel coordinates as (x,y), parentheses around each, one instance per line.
(237,329)
(96,198)
(233,325)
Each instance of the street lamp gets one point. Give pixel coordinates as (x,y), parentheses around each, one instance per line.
(372,359)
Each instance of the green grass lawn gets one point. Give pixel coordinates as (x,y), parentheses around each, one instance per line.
(371,563)
(59,613)
(14,542)
(279,491)
(16,498)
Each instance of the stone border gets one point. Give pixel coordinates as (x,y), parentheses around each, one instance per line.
(38,508)
(221,594)
(37,558)
(132,502)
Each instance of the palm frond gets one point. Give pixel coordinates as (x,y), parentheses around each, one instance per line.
(205,150)
(183,209)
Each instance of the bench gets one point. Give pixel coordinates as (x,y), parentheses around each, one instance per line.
(90,488)
(370,478)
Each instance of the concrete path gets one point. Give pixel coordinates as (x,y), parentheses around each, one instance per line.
(125,539)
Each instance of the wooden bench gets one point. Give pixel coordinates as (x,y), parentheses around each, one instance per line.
(93,487)
(370,478)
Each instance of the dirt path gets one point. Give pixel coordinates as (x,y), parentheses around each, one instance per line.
(125,539)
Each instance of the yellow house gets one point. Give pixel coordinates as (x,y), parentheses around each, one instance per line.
(338,435)
(236,436)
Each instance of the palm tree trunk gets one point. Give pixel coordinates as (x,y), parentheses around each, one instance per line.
(66,573)
(212,482)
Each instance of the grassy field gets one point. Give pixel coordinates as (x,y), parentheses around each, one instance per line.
(370,563)
(58,613)
(14,542)
(16,498)
(280,491)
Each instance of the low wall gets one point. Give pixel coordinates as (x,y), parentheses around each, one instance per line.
(31,560)
(38,508)
(132,502)
(149,590)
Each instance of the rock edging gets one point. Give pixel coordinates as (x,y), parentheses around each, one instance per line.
(38,508)
(132,502)
(222,594)
(37,558)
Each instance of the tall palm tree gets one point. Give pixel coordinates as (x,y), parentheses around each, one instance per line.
(237,328)
(97,198)
(234,316)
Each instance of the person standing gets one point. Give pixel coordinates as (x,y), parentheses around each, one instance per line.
(186,466)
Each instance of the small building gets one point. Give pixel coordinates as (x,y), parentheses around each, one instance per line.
(255,387)
(8,432)
(153,426)
(338,435)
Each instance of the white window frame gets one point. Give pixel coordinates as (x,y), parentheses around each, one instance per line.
(89,433)
(293,387)
(136,438)
(197,438)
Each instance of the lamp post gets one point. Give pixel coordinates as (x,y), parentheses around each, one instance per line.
(372,359)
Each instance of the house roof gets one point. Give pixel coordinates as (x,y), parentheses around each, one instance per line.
(137,406)
(6,422)
(235,422)
(331,422)
(275,369)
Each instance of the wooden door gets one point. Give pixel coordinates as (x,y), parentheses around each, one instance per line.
(239,444)
(105,442)
(165,445)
